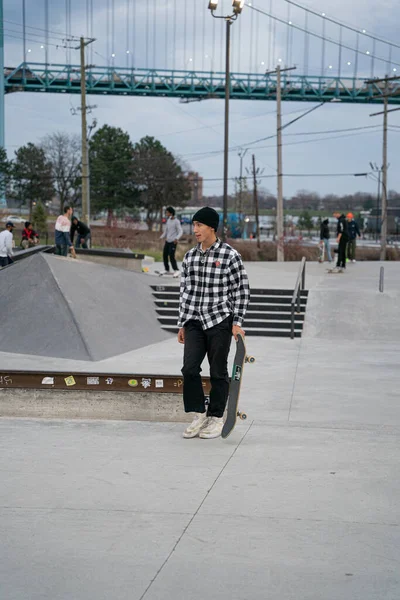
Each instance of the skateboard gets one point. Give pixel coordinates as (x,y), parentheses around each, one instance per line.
(321,256)
(160,274)
(335,271)
(234,388)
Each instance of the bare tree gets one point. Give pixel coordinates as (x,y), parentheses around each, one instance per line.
(63,151)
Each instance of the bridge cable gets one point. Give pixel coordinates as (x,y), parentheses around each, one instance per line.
(155,34)
(175,14)
(128,37)
(341,24)
(318,36)
(166,33)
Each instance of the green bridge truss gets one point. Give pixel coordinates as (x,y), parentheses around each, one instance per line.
(194,85)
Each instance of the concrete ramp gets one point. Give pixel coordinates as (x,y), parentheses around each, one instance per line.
(57,307)
(350,307)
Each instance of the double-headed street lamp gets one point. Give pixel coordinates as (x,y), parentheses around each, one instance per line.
(237,7)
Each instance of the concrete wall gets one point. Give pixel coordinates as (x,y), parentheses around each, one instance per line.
(60,404)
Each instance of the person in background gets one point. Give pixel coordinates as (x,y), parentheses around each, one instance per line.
(6,245)
(29,237)
(172,233)
(354,231)
(82,233)
(342,239)
(325,239)
(62,233)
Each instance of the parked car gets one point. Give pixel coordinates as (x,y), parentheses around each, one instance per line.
(14,219)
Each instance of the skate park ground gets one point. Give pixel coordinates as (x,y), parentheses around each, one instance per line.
(301,502)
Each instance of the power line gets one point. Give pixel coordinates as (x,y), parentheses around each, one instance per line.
(58,34)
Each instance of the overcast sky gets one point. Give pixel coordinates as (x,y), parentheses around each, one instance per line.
(195,41)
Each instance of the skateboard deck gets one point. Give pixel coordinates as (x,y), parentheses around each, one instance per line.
(334,271)
(321,256)
(234,388)
(160,274)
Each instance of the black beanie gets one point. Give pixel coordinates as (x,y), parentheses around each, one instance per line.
(207,216)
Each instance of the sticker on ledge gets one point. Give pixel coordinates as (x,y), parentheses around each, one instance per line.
(159,383)
(146,383)
(93,380)
(133,383)
(48,381)
(70,381)
(109,381)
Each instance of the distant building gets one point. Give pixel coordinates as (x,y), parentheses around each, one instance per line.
(196,186)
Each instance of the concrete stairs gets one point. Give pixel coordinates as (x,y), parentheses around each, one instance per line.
(268,315)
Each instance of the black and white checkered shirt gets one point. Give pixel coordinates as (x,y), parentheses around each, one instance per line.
(214,285)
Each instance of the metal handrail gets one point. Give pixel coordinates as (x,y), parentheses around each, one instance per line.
(296,298)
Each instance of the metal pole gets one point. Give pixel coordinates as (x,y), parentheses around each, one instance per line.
(2,93)
(241,193)
(255,196)
(2,119)
(226,143)
(279,210)
(378,220)
(85,165)
(384,182)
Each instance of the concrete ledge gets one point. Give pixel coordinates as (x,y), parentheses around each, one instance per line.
(123,259)
(81,404)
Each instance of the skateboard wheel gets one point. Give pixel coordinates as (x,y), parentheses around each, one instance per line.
(242,416)
(250,359)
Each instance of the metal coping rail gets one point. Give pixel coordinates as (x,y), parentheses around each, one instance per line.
(300,285)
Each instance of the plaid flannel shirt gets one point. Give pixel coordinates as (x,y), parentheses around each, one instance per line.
(214,285)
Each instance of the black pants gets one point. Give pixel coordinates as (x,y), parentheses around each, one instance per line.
(341,259)
(215,342)
(169,253)
(5,261)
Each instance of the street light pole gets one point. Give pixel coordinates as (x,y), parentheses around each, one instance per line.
(280,255)
(237,6)
(226,136)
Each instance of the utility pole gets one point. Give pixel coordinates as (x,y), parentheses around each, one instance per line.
(2,101)
(255,196)
(242,154)
(384,182)
(84,133)
(280,255)
(385,95)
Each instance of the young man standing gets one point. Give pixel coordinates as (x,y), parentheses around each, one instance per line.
(6,249)
(354,231)
(214,296)
(342,239)
(62,232)
(172,233)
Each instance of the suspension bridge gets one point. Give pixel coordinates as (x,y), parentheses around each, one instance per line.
(174,49)
(166,48)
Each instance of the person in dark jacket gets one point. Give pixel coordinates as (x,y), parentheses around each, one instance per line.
(342,239)
(29,237)
(82,231)
(325,239)
(354,231)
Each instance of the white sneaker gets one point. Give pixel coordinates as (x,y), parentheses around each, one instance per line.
(176,274)
(353,261)
(200,420)
(213,428)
